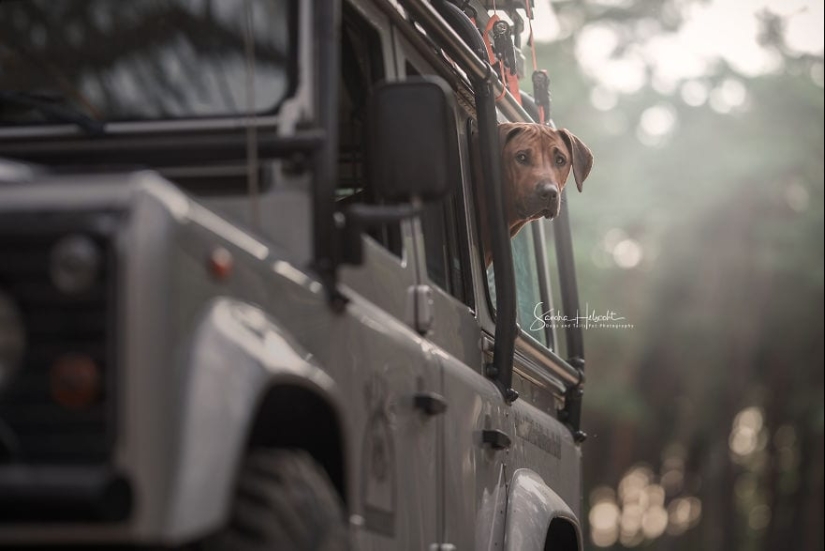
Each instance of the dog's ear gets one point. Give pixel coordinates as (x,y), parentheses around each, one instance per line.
(509,130)
(581,156)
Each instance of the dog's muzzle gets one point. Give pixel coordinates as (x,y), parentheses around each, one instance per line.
(548,194)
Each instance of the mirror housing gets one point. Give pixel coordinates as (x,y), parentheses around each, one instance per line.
(413,149)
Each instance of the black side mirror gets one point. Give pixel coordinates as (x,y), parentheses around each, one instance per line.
(413,155)
(413,148)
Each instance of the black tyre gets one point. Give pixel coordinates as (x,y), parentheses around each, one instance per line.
(284,501)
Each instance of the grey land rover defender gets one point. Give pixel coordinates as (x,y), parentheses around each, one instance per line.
(243,303)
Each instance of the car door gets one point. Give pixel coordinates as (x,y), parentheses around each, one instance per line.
(390,364)
(471,473)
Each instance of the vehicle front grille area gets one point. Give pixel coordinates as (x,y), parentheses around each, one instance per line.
(57,319)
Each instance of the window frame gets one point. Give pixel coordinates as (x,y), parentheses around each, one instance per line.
(533,360)
(536,228)
(457,239)
(377,43)
(384,276)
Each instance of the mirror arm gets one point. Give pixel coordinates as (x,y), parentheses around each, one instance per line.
(326,20)
(368,215)
(356,218)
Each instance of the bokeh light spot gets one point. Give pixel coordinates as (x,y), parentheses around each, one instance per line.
(797,197)
(654,522)
(627,254)
(759,517)
(658,120)
(603,98)
(694,93)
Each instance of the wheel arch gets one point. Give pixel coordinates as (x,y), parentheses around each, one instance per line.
(562,535)
(295,416)
(245,380)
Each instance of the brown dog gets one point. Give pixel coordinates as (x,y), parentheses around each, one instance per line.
(535,163)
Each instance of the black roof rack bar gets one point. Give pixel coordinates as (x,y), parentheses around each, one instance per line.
(426,15)
(501,369)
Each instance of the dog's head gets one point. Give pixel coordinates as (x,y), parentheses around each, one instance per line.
(536,161)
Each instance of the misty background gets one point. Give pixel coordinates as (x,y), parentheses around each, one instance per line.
(702,225)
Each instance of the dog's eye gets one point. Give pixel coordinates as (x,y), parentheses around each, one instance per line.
(523,158)
(560,160)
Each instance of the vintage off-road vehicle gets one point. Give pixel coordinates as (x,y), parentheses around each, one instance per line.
(242,297)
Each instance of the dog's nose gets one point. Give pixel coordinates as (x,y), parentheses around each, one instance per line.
(548,191)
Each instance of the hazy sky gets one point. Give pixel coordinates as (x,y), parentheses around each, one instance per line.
(718,29)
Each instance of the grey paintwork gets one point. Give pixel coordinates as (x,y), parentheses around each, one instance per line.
(198,353)
(472,472)
(237,352)
(183,342)
(532,505)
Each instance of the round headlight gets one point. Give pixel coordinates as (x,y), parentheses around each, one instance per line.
(12,339)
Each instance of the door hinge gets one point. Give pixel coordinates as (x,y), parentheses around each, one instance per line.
(420,308)
(496,439)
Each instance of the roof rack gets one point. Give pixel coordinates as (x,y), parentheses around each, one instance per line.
(451,40)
